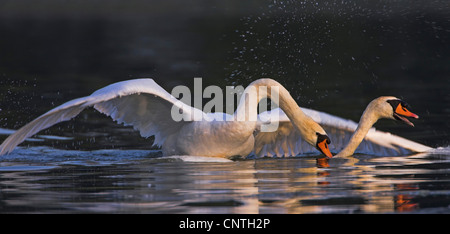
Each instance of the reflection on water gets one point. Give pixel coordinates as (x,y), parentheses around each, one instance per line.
(115,181)
(333,57)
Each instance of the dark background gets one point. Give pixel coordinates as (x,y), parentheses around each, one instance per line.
(333,56)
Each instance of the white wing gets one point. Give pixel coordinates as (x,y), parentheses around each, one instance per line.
(141,103)
(287,140)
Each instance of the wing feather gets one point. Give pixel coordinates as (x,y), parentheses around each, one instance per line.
(141,103)
(285,141)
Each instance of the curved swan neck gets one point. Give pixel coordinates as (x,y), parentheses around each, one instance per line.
(368,119)
(267,88)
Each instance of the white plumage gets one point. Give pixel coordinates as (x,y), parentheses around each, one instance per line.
(287,141)
(141,103)
(146,106)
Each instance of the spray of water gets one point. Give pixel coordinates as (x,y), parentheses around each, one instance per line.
(308,43)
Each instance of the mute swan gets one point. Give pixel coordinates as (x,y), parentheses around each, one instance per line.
(146,106)
(346,134)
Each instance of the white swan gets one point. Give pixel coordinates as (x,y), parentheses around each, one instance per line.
(146,106)
(347,136)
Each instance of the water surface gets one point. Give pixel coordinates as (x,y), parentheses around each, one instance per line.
(333,56)
(141,181)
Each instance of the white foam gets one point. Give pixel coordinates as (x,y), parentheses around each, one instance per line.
(441,150)
(189,158)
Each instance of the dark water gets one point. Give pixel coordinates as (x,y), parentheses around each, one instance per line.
(333,56)
(45,180)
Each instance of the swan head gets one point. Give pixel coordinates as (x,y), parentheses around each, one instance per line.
(316,136)
(395,108)
(322,143)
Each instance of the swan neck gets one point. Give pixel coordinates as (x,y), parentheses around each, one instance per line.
(268,88)
(368,119)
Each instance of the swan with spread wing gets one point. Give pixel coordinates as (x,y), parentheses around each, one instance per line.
(348,137)
(146,106)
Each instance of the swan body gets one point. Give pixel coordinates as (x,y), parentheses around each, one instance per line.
(348,137)
(146,106)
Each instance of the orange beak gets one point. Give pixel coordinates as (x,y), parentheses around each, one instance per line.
(401,113)
(323,147)
(405,112)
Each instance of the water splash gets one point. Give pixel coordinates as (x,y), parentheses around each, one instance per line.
(303,43)
(444,150)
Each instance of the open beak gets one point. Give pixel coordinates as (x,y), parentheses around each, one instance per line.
(323,147)
(401,113)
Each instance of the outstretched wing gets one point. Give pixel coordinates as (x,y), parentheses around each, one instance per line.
(287,140)
(141,103)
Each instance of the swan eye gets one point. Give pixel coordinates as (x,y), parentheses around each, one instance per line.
(322,137)
(394,103)
(397,103)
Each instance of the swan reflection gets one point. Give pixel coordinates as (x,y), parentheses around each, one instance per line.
(357,184)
